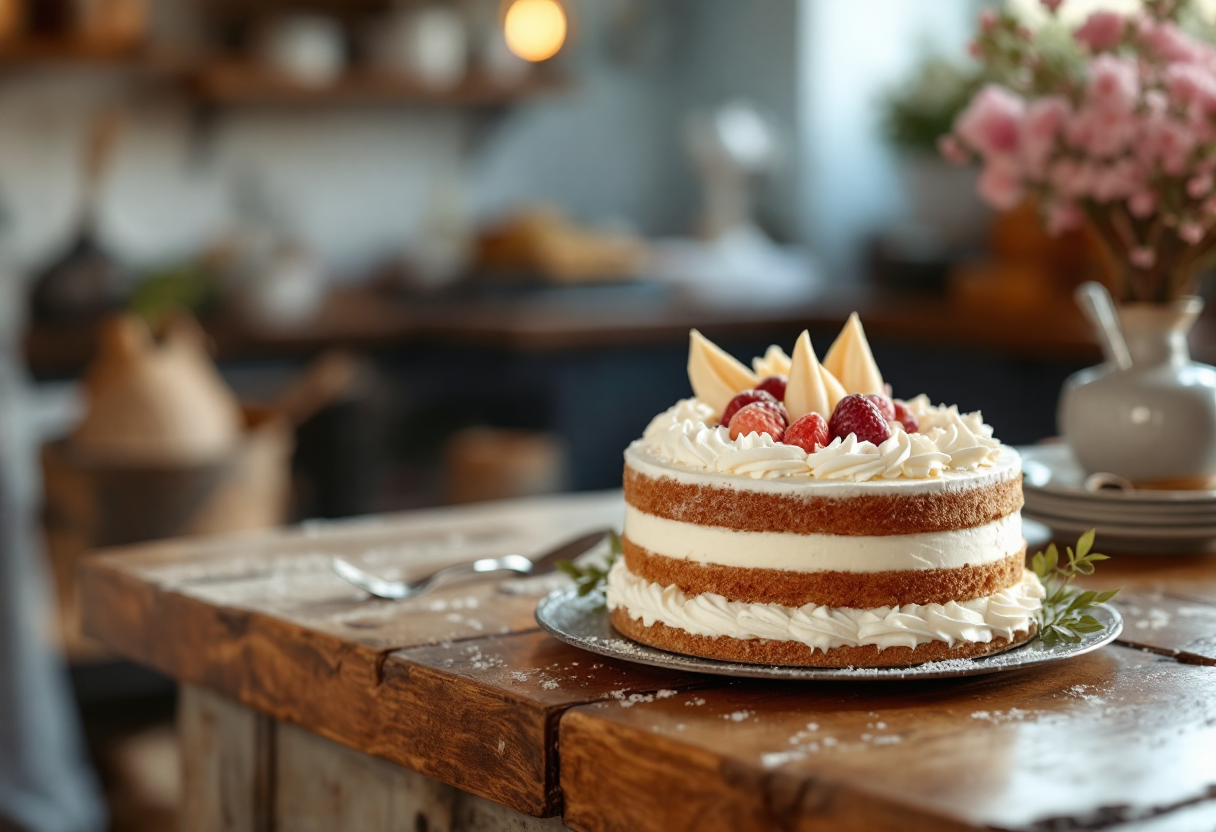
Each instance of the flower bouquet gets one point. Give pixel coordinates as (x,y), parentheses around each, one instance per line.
(1113,123)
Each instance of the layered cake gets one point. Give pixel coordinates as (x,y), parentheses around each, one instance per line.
(792,513)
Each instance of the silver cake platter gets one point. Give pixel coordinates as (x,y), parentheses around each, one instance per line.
(583,623)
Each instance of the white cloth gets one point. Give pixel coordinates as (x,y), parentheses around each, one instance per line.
(46,783)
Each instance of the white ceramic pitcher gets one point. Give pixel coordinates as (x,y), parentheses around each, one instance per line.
(1154,423)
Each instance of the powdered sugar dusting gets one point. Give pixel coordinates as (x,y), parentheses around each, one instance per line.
(1001,717)
(480,661)
(812,740)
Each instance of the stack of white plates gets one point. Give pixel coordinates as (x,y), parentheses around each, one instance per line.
(1059,495)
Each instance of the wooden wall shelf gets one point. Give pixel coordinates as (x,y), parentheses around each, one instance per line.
(237,83)
(33,53)
(231,82)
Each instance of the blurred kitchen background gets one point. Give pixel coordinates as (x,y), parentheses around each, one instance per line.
(449,250)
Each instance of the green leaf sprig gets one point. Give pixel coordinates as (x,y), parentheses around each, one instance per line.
(593,577)
(1062,616)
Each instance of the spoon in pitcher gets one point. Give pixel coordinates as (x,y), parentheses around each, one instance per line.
(1098,307)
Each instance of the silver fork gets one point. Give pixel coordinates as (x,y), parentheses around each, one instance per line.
(401,590)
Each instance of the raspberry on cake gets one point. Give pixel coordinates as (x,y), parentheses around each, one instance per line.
(897,542)
(858,416)
(749,397)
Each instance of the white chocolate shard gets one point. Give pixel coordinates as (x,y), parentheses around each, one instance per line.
(811,388)
(774,363)
(850,360)
(716,377)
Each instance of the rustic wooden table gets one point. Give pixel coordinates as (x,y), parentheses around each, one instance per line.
(307,706)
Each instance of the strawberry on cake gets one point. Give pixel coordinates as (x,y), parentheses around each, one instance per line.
(794,513)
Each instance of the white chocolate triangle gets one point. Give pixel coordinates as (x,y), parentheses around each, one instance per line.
(716,377)
(774,363)
(850,360)
(811,388)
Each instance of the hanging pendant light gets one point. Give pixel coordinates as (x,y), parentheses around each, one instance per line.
(535,29)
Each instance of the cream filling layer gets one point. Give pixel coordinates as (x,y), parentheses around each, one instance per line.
(978,545)
(979,620)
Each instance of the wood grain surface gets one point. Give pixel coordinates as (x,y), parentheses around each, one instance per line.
(1183,629)
(1186,577)
(246,772)
(461,686)
(483,714)
(227,764)
(1112,737)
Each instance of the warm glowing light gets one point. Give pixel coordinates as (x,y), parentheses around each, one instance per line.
(535,29)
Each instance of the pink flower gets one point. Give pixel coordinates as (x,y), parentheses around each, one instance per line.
(1191,232)
(1044,118)
(1197,187)
(1119,180)
(1101,30)
(1156,102)
(1052,5)
(1167,41)
(1114,83)
(1199,123)
(1167,142)
(1102,133)
(1142,204)
(952,150)
(1060,217)
(1000,185)
(1072,179)
(1191,85)
(1174,143)
(1142,258)
(991,124)
(988,20)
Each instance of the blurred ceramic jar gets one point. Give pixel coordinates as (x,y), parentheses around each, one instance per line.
(430,45)
(942,199)
(281,285)
(307,48)
(274,279)
(498,64)
(943,207)
(442,251)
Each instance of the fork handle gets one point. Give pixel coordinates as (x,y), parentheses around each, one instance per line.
(510,563)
